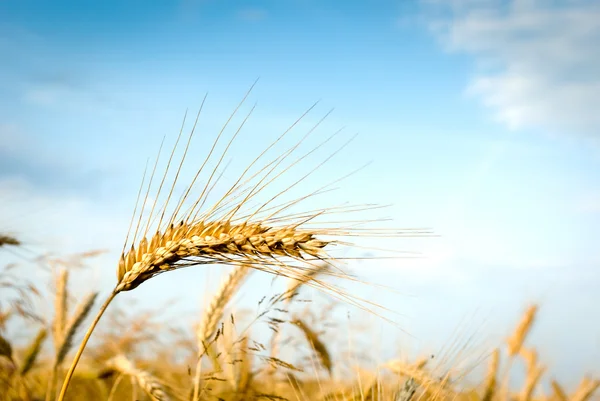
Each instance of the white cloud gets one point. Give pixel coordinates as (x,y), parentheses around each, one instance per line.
(539,62)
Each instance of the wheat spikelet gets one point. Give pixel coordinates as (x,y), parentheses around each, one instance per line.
(491,376)
(32,352)
(82,311)
(515,342)
(146,381)
(315,342)
(60,307)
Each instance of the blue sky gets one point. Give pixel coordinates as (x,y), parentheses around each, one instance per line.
(480,120)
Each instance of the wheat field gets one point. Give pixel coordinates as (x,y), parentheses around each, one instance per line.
(222,357)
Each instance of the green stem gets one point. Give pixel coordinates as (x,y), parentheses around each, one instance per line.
(87,336)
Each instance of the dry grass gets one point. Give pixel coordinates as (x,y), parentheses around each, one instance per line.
(26,374)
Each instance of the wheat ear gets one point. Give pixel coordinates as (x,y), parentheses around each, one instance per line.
(515,342)
(225,233)
(60,306)
(213,315)
(436,388)
(146,381)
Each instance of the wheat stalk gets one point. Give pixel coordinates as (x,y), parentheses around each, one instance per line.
(66,335)
(262,239)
